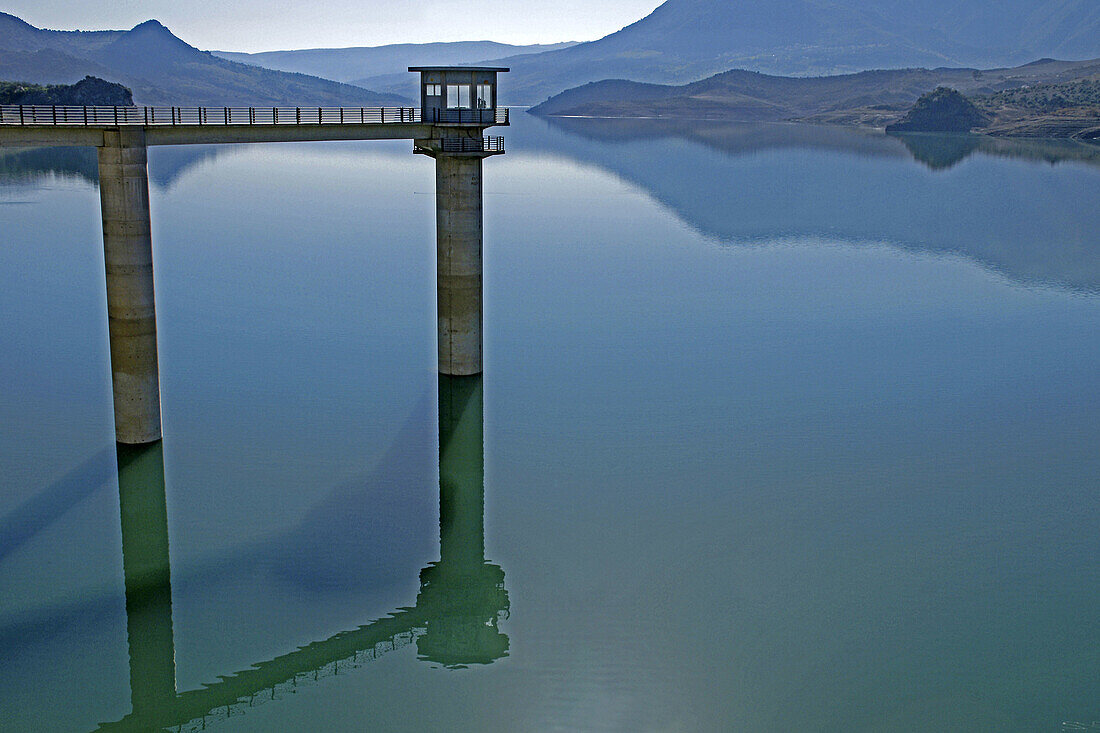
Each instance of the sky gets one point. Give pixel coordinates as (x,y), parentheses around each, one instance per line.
(266,25)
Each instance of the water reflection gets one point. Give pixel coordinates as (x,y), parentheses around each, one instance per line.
(466,593)
(144,518)
(454,622)
(755,183)
(36,165)
(939,151)
(942,151)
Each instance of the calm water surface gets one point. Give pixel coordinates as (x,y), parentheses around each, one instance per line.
(782,429)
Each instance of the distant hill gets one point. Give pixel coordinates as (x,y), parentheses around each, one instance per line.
(162,69)
(87,91)
(686,40)
(355,65)
(941,110)
(1067,109)
(871,97)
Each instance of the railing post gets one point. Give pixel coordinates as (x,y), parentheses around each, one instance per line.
(20,114)
(341,115)
(274,115)
(362,115)
(297,115)
(225,112)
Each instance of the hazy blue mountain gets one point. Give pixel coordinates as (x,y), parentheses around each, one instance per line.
(162,69)
(874,98)
(685,40)
(358,63)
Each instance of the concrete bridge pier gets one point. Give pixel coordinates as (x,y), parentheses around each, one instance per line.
(128,255)
(458,262)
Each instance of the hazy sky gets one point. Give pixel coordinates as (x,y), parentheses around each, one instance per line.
(262,25)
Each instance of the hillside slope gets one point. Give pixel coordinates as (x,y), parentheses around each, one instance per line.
(352,64)
(684,40)
(161,69)
(869,97)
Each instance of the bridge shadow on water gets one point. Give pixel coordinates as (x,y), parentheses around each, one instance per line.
(453,623)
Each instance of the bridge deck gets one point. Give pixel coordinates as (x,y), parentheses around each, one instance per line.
(70,125)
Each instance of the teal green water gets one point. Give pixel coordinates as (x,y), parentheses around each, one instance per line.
(782,428)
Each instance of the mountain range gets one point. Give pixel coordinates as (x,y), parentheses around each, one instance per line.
(681,41)
(686,40)
(362,65)
(162,69)
(873,98)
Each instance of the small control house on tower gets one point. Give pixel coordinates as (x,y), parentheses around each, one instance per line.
(460,95)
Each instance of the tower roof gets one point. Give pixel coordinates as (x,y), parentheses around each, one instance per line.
(458,68)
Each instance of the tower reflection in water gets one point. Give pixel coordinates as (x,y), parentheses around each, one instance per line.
(455,622)
(463,595)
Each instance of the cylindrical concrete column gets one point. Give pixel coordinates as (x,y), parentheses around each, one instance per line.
(128,254)
(458,262)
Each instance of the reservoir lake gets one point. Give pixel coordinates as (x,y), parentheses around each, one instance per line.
(782,428)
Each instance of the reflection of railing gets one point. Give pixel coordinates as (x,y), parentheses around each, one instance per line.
(38,114)
(472,144)
(497,116)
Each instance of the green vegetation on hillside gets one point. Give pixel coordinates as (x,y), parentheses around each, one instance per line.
(941,110)
(1046,97)
(88,91)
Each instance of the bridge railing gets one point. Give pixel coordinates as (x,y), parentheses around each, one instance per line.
(498,116)
(38,114)
(471,144)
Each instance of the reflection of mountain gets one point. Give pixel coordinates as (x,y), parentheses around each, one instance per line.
(1030,223)
(941,150)
(166,163)
(30,165)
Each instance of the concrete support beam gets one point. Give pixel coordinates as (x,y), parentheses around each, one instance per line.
(128,255)
(458,263)
(214,133)
(49,136)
